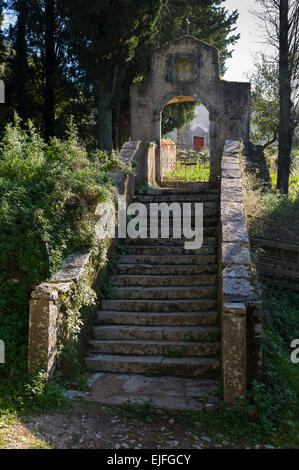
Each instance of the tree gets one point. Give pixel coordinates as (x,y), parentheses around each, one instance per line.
(113,42)
(285,127)
(21,58)
(280,19)
(80,58)
(50,68)
(103,37)
(177,115)
(264,101)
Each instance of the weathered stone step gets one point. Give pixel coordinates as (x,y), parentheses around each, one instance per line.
(176,197)
(171,293)
(210,229)
(171,250)
(157,319)
(186,367)
(188,185)
(157,333)
(209,208)
(168,259)
(209,220)
(154,348)
(167,269)
(193,305)
(196,188)
(166,280)
(207,241)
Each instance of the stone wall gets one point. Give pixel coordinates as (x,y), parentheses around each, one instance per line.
(240,296)
(168,157)
(51,300)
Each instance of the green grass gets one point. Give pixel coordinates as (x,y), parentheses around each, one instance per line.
(200,172)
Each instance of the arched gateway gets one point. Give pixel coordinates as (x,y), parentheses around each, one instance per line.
(187,69)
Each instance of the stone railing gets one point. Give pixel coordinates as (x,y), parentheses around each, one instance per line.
(52,300)
(240,296)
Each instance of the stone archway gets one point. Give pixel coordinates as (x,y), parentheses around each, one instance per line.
(189,68)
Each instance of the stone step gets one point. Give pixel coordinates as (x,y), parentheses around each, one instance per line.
(167,269)
(192,305)
(207,241)
(195,188)
(168,250)
(159,365)
(188,186)
(175,197)
(159,281)
(157,333)
(209,208)
(168,259)
(157,319)
(154,348)
(148,225)
(171,293)
(210,229)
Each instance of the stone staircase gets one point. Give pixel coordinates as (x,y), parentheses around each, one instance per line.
(162,319)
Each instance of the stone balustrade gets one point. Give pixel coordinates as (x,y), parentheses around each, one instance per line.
(240,296)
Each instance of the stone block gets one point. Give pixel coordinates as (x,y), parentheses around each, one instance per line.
(234,352)
(72,267)
(42,341)
(235,231)
(235,253)
(231,194)
(231,211)
(231,173)
(239,289)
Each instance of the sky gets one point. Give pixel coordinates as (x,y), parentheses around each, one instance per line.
(250,42)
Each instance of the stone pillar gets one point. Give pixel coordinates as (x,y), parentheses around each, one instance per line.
(42,340)
(44,318)
(234,351)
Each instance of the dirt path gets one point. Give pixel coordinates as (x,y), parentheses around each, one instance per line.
(92,426)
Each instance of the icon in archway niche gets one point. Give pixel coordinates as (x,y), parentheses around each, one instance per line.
(184,70)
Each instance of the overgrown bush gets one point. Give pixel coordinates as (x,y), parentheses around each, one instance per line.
(55,186)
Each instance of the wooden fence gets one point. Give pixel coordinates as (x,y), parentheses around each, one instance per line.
(277,262)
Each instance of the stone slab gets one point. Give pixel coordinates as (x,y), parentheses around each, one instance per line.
(235,253)
(173,393)
(231,211)
(239,289)
(231,173)
(235,231)
(50,290)
(72,267)
(234,271)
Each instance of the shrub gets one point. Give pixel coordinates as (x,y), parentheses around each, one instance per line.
(55,186)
